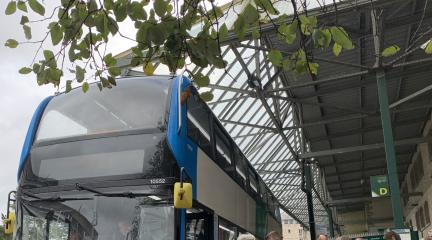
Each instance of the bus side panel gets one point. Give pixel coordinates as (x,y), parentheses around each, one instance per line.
(183,149)
(31,133)
(218,191)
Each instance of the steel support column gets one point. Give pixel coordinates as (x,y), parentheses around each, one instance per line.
(307,188)
(330,219)
(390,150)
(389,145)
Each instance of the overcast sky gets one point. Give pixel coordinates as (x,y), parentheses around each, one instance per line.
(20,94)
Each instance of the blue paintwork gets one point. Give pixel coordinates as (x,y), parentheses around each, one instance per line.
(183,149)
(31,133)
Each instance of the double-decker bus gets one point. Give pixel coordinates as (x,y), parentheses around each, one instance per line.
(102,165)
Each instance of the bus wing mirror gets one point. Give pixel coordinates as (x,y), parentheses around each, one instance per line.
(9,223)
(182,195)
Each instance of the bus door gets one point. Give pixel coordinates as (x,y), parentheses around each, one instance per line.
(199,225)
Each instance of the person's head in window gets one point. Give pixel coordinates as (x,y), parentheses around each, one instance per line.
(322,237)
(273,235)
(343,238)
(246,236)
(390,235)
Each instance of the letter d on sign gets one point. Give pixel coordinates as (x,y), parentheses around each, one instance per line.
(383,191)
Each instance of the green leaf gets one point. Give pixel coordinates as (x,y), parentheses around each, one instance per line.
(223,32)
(267,5)
(48,54)
(54,75)
(148,68)
(27,32)
(22,6)
(327,37)
(108,4)
(136,11)
(300,66)
(240,26)
(157,34)
(256,33)
(251,14)
(318,38)
(79,73)
(11,43)
(428,48)
(275,57)
(340,36)
(36,68)
(313,67)
(11,8)
(201,80)
(24,20)
(337,49)
(304,19)
(56,34)
(114,71)
(85,87)
(120,11)
(390,51)
(288,33)
(25,70)
(206,96)
(37,7)
(68,86)
(286,64)
(109,60)
(160,7)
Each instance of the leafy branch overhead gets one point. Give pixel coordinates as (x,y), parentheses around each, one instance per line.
(79,31)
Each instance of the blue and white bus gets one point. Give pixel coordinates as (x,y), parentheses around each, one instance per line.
(102,164)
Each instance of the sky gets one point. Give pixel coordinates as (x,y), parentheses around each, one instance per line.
(20,94)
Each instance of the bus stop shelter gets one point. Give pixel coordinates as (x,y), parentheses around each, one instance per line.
(317,140)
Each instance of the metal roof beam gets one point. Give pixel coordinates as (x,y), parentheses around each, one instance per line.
(374,168)
(248,125)
(396,124)
(409,141)
(314,57)
(375,158)
(411,96)
(276,122)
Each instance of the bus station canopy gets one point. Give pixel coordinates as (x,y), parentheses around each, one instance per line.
(280,119)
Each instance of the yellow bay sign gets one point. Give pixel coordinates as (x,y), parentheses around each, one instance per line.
(379,186)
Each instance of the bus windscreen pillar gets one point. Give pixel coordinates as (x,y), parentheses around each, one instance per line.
(389,150)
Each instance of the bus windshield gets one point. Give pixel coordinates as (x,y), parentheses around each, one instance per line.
(135,103)
(141,218)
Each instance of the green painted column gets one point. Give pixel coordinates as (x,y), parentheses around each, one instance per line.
(330,219)
(390,150)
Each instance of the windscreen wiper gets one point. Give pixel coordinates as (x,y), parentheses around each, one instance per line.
(59,199)
(121,194)
(50,199)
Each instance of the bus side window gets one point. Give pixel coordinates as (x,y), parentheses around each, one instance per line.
(253,184)
(223,154)
(240,162)
(227,231)
(263,192)
(199,123)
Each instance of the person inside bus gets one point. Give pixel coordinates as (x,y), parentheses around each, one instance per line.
(390,235)
(322,237)
(273,235)
(246,236)
(343,238)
